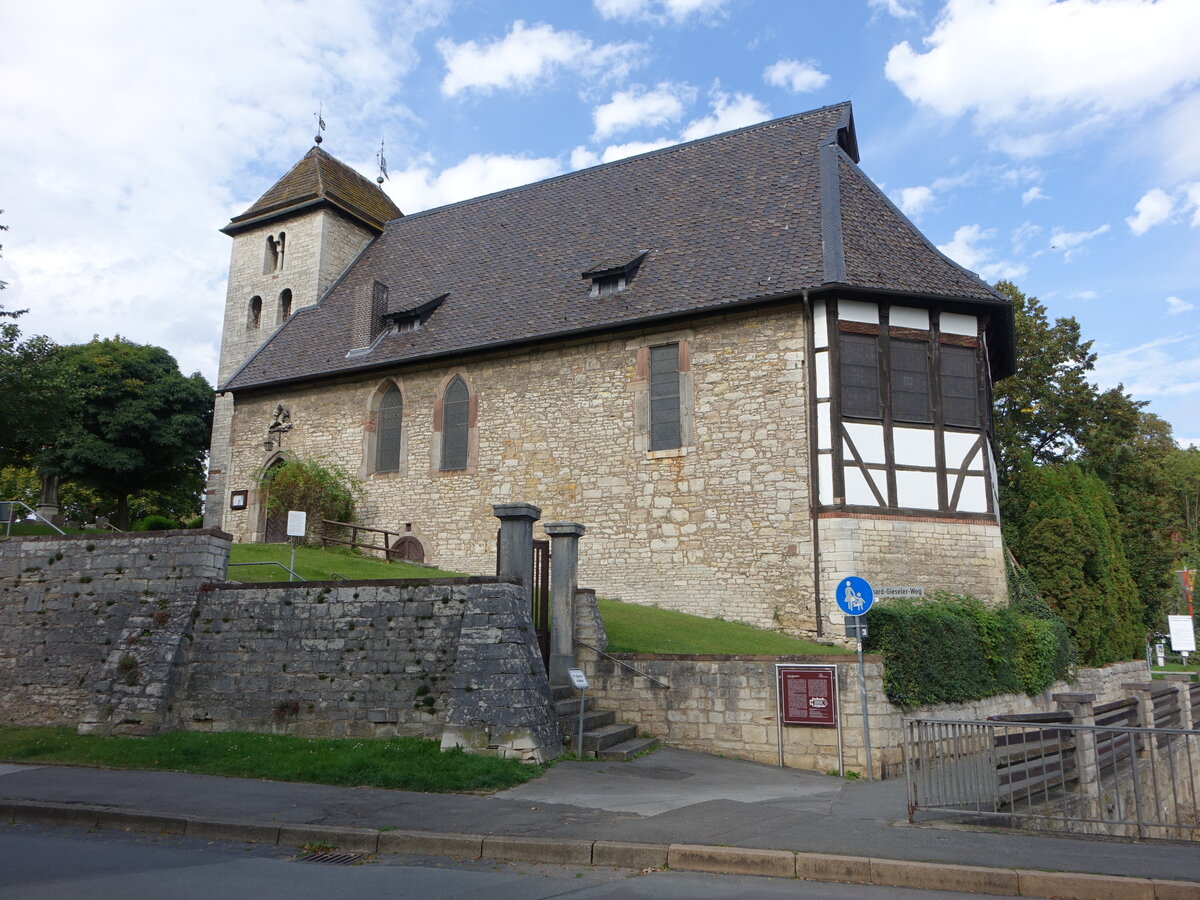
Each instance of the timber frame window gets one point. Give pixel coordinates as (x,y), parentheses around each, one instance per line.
(662,394)
(905,410)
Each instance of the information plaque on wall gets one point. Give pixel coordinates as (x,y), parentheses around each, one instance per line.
(807,695)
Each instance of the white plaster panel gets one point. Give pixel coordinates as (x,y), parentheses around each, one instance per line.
(858,311)
(825,478)
(824,428)
(868,440)
(914,446)
(820,328)
(908,317)
(917,490)
(974,495)
(822,368)
(858,491)
(957,323)
(958,445)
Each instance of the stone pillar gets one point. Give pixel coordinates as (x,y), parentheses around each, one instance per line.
(516,542)
(48,502)
(1082,709)
(1182,683)
(564,579)
(1142,690)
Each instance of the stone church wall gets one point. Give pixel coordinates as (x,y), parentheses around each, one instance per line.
(720,527)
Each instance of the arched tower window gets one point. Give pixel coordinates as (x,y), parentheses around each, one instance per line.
(285,305)
(456,407)
(255,316)
(271,257)
(388,431)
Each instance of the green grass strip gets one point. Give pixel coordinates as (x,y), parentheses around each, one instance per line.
(319,564)
(407,764)
(633,628)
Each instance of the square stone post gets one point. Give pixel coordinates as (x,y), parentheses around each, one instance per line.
(564,579)
(1082,709)
(1145,711)
(516,542)
(1182,683)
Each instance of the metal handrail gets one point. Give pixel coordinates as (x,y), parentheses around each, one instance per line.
(8,525)
(621,663)
(271,562)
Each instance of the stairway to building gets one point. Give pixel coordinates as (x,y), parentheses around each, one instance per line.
(603,737)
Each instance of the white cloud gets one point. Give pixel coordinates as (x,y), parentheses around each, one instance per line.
(583,158)
(1033,194)
(1152,209)
(659,11)
(1176,305)
(641,108)
(131,126)
(1083,295)
(797,77)
(421,187)
(528,55)
(969,249)
(1023,235)
(633,148)
(1152,369)
(1192,192)
(914,200)
(729,111)
(901,9)
(1072,243)
(1069,65)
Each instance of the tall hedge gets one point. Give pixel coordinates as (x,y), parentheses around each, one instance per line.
(948,648)
(1062,525)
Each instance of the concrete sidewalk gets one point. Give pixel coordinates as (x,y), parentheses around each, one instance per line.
(688,809)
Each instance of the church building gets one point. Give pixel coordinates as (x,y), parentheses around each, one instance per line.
(733,360)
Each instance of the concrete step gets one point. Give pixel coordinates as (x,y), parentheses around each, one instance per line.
(627,750)
(569,725)
(570,707)
(607,736)
(561,691)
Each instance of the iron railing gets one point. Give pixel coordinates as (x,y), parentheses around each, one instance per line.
(7,508)
(1049,773)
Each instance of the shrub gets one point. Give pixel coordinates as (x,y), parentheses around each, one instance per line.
(949,649)
(195,522)
(323,490)
(155,523)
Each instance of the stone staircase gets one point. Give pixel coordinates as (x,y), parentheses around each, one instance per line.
(603,738)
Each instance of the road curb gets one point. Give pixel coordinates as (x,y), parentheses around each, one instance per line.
(622,854)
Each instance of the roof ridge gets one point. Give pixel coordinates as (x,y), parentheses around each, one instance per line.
(661,151)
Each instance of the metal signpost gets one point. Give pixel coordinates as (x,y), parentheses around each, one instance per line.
(297,525)
(579,680)
(855,597)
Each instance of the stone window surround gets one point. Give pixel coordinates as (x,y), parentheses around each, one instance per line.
(435,443)
(370,425)
(639,384)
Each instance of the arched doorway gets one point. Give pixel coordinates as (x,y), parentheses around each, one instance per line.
(274,528)
(407,549)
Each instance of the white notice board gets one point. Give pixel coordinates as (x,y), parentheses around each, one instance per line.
(1183,634)
(297,523)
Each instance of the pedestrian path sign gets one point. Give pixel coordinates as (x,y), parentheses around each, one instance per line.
(854,596)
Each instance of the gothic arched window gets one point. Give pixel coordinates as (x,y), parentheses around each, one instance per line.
(387,431)
(456,407)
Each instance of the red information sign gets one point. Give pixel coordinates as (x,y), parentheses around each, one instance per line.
(807,696)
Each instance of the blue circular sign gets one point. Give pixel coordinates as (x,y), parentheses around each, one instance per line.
(854,595)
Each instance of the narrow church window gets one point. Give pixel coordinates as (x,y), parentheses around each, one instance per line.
(279,251)
(271,258)
(910,381)
(255,311)
(960,385)
(665,432)
(285,305)
(456,403)
(859,372)
(387,431)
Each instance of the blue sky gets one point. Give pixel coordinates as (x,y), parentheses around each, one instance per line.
(1053,143)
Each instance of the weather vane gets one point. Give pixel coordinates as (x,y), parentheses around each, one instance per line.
(382,164)
(320,121)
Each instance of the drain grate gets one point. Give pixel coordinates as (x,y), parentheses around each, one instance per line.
(332,859)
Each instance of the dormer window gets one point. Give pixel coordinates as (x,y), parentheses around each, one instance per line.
(412,318)
(614,274)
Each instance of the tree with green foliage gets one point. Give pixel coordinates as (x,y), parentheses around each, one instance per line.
(1064,528)
(1183,479)
(140,425)
(322,490)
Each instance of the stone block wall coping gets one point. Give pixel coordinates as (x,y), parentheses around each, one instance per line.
(567,528)
(516,511)
(376,582)
(118,536)
(1069,697)
(839,659)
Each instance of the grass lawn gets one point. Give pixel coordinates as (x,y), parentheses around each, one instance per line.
(407,764)
(317,564)
(1159,671)
(28,529)
(633,628)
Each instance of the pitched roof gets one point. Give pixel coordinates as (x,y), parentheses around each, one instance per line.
(764,212)
(319,178)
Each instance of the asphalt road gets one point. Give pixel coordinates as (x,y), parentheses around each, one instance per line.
(39,863)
